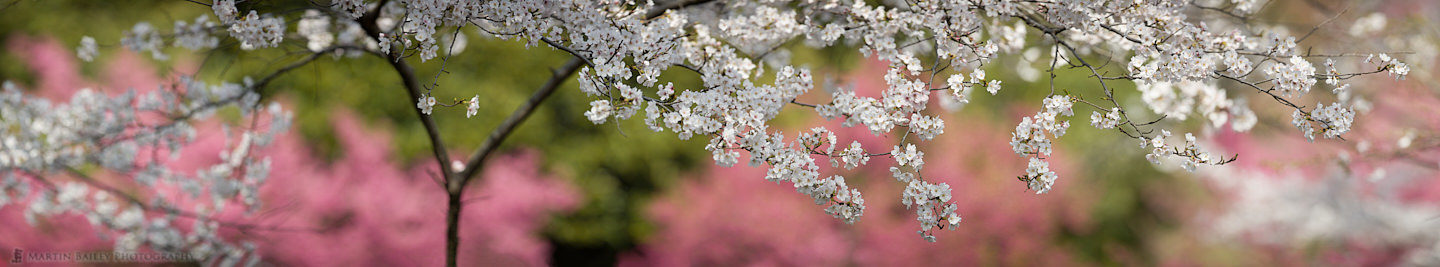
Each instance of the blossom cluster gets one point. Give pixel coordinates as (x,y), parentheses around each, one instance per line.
(255,32)
(1034,138)
(1106,120)
(1181,100)
(99,133)
(1294,77)
(87,50)
(195,35)
(140,38)
(1038,176)
(1189,154)
(315,28)
(932,206)
(1393,66)
(1334,120)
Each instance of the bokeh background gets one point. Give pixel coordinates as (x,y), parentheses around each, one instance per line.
(356,168)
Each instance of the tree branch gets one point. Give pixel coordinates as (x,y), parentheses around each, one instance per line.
(456,180)
(477,160)
(455,185)
(442,158)
(412,86)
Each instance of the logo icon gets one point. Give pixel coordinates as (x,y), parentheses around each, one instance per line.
(18,259)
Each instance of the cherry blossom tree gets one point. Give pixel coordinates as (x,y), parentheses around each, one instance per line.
(1206,59)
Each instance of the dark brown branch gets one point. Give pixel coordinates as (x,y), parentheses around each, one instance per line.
(412,86)
(442,158)
(477,160)
(457,179)
(455,185)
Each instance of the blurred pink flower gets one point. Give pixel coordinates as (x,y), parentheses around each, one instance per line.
(372,213)
(1368,200)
